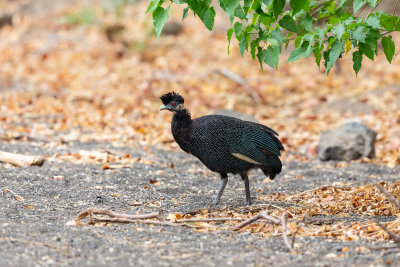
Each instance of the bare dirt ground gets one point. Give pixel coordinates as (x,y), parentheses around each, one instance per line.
(34,231)
(64,88)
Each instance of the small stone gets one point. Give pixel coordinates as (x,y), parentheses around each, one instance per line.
(172,28)
(352,141)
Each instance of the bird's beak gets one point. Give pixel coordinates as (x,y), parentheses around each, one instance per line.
(163,107)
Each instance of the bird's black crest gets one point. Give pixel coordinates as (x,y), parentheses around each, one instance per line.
(167,98)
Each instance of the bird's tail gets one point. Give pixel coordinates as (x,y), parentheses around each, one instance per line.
(273,166)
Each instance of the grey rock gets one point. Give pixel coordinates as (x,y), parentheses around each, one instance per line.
(352,141)
(172,28)
(6,20)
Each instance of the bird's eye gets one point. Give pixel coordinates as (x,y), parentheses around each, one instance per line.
(173,103)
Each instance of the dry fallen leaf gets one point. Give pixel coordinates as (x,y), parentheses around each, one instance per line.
(58,177)
(174,216)
(105,167)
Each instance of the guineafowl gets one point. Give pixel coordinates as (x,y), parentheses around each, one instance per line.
(225,144)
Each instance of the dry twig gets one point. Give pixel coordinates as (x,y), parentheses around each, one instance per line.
(93,211)
(17,197)
(114,217)
(247,222)
(392,235)
(20,160)
(390,196)
(284,233)
(209,220)
(281,221)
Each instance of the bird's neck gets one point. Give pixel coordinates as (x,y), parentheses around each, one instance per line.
(181,119)
(181,127)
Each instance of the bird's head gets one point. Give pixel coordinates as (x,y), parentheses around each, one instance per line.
(172,102)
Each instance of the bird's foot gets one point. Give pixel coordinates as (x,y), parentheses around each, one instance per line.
(247,203)
(215,202)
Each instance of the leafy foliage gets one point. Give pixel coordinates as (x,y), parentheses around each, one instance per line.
(326,29)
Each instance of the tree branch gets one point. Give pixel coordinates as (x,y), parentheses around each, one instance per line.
(372,9)
(390,196)
(394,13)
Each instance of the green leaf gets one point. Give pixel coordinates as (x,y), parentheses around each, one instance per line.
(253,45)
(372,3)
(341,3)
(185,12)
(260,57)
(319,33)
(230,6)
(308,37)
(357,4)
(297,5)
(389,22)
(388,47)
(238,27)
(317,54)
(160,16)
(153,5)
(288,23)
(298,41)
(271,56)
(266,2)
(247,3)
(367,50)
(306,22)
(277,7)
(334,53)
(304,50)
(338,30)
(207,17)
(244,43)
(373,22)
(197,6)
(229,35)
(239,13)
(357,59)
(359,34)
(266,20)
(277,35)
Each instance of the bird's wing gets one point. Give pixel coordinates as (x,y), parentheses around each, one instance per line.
(253,146)
(264,141)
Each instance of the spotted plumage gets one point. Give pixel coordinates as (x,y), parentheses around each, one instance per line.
(225,144)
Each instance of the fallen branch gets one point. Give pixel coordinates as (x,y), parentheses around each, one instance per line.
(17,197)
(284,233)
(297,230)
(20,160)
(389,196)
(248,221)
(114,217)
(93,211)
(209,220)
(281,221)
(242,82)
(392,235)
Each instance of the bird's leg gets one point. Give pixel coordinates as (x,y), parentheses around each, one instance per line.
(247,187)
(224,178)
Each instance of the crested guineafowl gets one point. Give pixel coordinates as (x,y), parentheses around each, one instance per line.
(225,144)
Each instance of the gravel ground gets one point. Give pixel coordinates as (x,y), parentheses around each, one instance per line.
(40,236)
